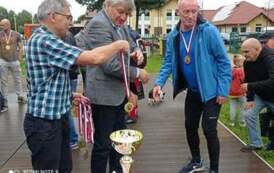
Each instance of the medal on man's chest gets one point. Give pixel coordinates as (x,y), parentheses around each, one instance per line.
(7,47)
(187,59)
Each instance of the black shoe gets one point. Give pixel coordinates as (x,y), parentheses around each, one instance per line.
(130,121)
(270,146)
(249,148)
(193,166)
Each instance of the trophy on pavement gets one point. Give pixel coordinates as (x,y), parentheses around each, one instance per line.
(126,142)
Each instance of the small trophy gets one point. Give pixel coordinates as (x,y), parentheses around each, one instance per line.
(126,142)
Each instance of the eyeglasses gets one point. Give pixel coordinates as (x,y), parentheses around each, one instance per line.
(68,16)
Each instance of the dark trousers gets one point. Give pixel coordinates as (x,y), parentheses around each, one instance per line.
(48,141)
(106,120)
(209,111)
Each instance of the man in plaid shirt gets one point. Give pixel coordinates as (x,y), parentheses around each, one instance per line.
(49,97)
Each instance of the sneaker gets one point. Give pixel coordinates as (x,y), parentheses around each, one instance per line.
(192,167)
(4,109)
(74,146)
(129,120)
(249,148)
(21,100)
(243,124)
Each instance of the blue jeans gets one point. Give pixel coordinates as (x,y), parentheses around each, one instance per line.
(73,133)
(252,120)
(236,103)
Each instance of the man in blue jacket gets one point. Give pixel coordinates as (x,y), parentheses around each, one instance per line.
(197,59)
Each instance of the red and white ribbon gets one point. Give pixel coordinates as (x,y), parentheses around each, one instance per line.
(125,73)
(85,121)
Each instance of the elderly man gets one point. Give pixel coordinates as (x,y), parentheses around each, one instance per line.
(11,50)
(104,84)
(49,60)
(259,85)
(197,59)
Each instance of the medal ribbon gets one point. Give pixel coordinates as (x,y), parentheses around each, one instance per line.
(189,42)
(7,38)
(85,121)
(125,73)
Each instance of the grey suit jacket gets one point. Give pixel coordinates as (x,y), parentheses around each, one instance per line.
(104,83)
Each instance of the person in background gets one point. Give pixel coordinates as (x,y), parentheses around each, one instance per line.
(105,86)
(267,40)
(49,60)
(197,59)
(259,85)
(11,51)
(73,74)
(237,96)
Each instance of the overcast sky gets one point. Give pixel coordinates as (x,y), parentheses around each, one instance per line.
(77,10)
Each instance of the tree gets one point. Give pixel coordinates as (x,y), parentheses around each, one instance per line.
(22,18)
(3,13)
(141,6)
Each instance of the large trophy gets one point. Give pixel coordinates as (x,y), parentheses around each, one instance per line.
(126,142)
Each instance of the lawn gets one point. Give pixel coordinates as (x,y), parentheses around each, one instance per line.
(153,66)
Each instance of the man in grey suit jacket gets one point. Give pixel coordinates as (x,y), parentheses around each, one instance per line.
(104,83)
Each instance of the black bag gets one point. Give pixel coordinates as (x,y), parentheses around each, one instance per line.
(2,101)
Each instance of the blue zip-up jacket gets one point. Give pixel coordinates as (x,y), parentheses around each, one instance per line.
(212,65)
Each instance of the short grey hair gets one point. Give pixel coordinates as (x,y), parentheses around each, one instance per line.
(127,3)
(51,6)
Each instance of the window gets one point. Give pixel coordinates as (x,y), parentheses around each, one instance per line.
(258,29)
(169,14)
(234,29)
(243,29)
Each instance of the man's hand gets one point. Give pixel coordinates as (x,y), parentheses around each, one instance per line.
(143,75)
(221,100)
(156,93)
(122,45)
(137,56)
(249,105)
(244,87)
(133,98)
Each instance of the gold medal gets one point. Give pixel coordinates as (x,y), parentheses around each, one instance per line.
(187,59)
(128,107)
(7,47)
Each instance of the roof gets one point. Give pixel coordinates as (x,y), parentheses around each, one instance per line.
(209,14)
(240,13)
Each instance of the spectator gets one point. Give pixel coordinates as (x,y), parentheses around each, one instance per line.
(11,51)
(237,96)
(259,85)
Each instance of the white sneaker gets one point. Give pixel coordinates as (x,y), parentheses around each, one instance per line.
(4,109)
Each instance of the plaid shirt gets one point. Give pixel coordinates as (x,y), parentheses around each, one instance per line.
(48,62)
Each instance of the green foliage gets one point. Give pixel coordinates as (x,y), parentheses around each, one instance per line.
(3,13)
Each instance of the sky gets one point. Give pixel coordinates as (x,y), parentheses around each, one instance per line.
(77,9)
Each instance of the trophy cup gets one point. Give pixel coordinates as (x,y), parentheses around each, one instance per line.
(126,142)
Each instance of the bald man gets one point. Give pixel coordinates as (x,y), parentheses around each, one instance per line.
(259,85)
(11,49)
(197,59)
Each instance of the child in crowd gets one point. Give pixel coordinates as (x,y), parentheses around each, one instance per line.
(237,96)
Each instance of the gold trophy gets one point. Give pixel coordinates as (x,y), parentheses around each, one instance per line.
(126,142)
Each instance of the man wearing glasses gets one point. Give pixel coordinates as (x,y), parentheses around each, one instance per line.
(49,60)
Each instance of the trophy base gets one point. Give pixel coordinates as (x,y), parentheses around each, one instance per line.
(126,162)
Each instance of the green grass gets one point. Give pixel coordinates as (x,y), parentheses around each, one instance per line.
(154,63)
(153,66)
